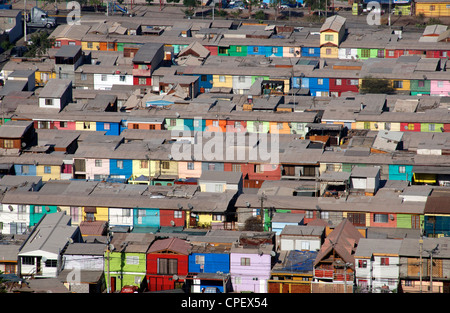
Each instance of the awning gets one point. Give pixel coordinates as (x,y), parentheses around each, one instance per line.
(90,209)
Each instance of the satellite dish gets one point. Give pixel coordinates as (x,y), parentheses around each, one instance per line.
(58,209)
(190,206)
(180,206)
(70,240)
(111,247)
(47,209)
(175,277)
(10,207)
(273,253)
(172,223)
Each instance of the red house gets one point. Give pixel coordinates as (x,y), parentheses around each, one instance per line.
(254,174)
(148,58)
(167,264)
(340,85)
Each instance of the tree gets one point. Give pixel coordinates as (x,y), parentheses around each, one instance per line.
(275,4)
(250,4)
(191,6)
(40,45)
(253,224)
(376,85)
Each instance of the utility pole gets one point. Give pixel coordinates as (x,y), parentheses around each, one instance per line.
(420,263)
(262,198)
(25,22)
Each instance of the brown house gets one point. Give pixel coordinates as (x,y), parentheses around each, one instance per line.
(16,136)
(334,267)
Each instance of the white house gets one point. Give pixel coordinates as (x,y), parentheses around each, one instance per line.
(365,179)
(41,253)
(56,94)
(106,77)
(302,237)
(215,181)
(242,84)
(377,265)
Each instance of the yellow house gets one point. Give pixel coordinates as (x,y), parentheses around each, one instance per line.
(432,8)
(99,213)
(223,81)
(163,168)
(401,85)
(140,168)
(85,125)
(48,172)
(331,34)
(90,45)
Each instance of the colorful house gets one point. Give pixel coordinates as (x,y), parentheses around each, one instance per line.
(125,260)
(432,8)
(147,59)
(331,34)
(167,264)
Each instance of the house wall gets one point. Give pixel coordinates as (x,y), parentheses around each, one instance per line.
(118,218)
(92,170)
(298,243)
(440,88)
(146,217)
(112,79)
(125,171)
(214,262)
(48,172)
(244,277)
(184,172)
(433,9)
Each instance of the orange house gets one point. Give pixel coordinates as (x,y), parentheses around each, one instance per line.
(215,125)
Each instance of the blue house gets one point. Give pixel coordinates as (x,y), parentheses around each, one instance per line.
(209,268)
(280,220)
(400,172)
(319,87)
(311,52)
(145,219)
(120,168)
(111,128)
(25,169)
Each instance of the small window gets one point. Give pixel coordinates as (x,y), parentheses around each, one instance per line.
(106,126)
(51,263)
(119,164)
(222,79)
(122,78)
(362,263)
(144,164)
(89,45)
(338,82)
(165,165)
(320,81)
(255,49)
(104,77)
(47,169)
(245,261)
(48,101)
(177,214)
(190,166)
(83,76)
(98,163)
(384,261)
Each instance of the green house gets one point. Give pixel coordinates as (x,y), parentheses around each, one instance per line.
(370,53)
(126,260)
(420,87)
(237,51)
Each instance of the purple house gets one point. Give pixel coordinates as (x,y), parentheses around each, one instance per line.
(251,263)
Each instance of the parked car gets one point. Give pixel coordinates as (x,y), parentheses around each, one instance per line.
(129,289)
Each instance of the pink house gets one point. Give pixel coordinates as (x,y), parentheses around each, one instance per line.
(189,169)
(97,168)
(440,88)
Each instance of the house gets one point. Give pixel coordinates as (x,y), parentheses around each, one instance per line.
(432,8)
(84,266)
(56,94)
(281,220)
(377,265)
(9,250)
(41,253)
(125,260)
(293,272)
(209,266)
(67,60)
(436,215)
(167,264)
(424,265)
(27,76)
(11,24)
(147,59)
(365,179)
(331,34)
(302,237)
(16,136)
(334,266)
(212,181)
(251,262)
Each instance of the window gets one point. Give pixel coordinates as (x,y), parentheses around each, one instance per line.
(177,214)
(215,123)
(380,53)
(173,122)
(104,77)
(126,212)
(305,245)
(311,50)
(421,83)
(190,166)
(142,81)
(238,49)
(144,164)
(380,218)
(242,79)
(338,82)
(119,164)
(329,37)
(8,143)
(384,262)
(48,101)
(354,82)
(274,50)
(221,78)
(25,169)
(57,44)
(47,169)
(90,217)
(218,217)
(63,124)
(86,125)
(440,84)
(255,49)
(37,209)
(165,165)
(328,51)
(83,76)
(320,81)
(218,188)
(324,215)
(432,7)
(391,53)
(89,45)
(203,78)
(402,169)
(51,263)
(309,214)
(28,260)
(132,260)
(200,259)
(362,263)
(211,167)
(167,266)
(245,261)
(410,126)
(236,168)
(431,127)
(122,78)
(398,84)
(106,126)
(111,46)
(365,53)
(98,163)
